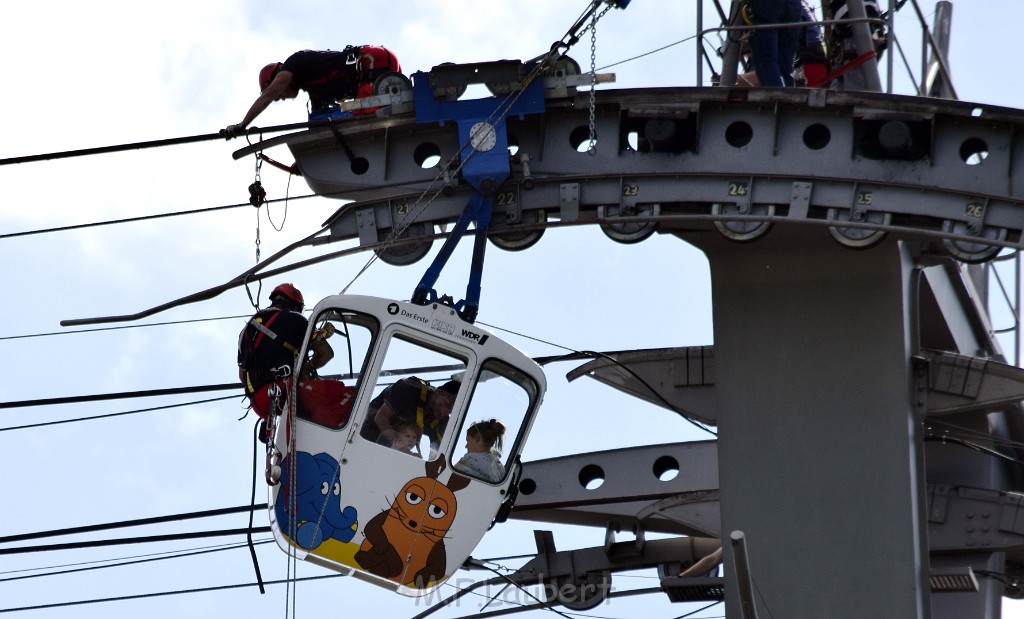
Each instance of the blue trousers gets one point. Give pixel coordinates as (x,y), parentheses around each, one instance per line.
(774,49)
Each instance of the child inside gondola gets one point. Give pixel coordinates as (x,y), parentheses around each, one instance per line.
(407,439)
(483,447)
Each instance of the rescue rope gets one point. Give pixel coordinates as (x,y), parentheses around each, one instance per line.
(849,66)
(205,137)
(292,508)
(252,511)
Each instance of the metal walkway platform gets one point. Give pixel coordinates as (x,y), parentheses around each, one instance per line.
(860,164)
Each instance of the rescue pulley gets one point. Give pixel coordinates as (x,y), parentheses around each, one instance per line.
(257,194)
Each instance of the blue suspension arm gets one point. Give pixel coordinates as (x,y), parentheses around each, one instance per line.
(479,209)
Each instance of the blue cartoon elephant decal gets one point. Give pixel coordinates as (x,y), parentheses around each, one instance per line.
(317,506)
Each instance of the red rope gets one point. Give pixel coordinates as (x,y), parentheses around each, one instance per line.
(853,64)
(292,169)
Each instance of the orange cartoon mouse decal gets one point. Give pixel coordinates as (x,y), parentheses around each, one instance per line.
(406,542)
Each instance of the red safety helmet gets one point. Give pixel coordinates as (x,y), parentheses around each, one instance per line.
(267,74)
(289,292)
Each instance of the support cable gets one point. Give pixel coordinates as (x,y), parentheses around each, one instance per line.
(118,396)
(348,193)
(89,566)
(169,537)
(252,510)
(120,414)
(126,220)
(589,354)
(159,594)
(151,324)
(131,523)
(524,590)
(210,293)
(203,137)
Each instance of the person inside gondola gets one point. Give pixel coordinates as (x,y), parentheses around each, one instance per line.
(268,346)
(407,439)
(483,451)
(327,76)
(414,401)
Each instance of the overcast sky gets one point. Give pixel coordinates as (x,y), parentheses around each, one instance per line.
(81,75)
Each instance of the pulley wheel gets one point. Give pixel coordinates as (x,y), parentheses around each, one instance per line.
(405,253)
(1014,581)
(499,89)
(518,240)
(628,232)
(563,67)
(391,83)
(969,251)
(858,238)
(743,231)
(452,93)
(579,591)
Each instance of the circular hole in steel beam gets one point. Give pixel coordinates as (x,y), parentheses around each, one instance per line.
(427,155)
(513,144)
(817,136)
(666,468)
(527,486)
(360,166)
(739,134)
(579,138)
(973,151)
(591,477)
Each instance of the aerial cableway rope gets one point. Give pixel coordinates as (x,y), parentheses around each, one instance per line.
(167,537)
(200,211)
(89,566)
(255,273)
(120,414)
(92,528)
(118,328)
(142,596)
(115,148)
(123,395)
(126,220)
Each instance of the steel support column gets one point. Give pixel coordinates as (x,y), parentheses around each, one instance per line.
(819,448)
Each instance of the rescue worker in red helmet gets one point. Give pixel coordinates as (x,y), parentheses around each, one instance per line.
(327,76)
(269,344)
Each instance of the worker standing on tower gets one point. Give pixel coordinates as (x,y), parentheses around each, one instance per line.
(773,49)
(327,76)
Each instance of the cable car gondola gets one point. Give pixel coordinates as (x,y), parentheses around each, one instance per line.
(402,519)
